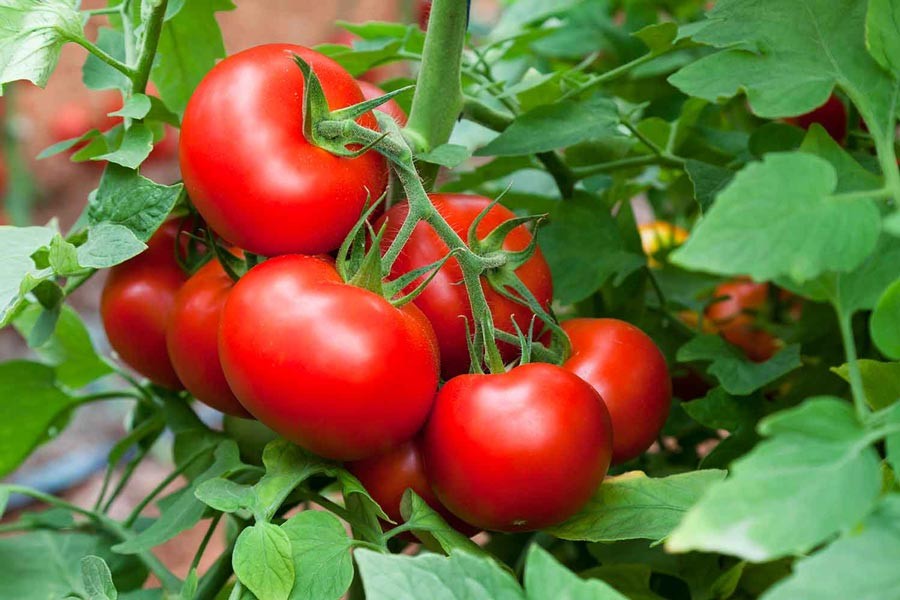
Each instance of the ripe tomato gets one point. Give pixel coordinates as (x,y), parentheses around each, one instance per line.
(424,13)
(444,300)
(391,108)
(136,303)
(387,476)
(248,167)
(832,116)
(517,451)
(192,338)
(334,368)
(660,236)
(735,318)
(629,372)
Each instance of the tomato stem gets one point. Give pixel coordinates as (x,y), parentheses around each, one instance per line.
(153,27)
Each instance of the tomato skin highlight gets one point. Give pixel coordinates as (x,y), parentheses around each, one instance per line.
(391,108)
(249,169)
(517,451)
(135,305)
(734,319)
(629,372)
(331,367)
(387,476)
(192,338)
(445,301)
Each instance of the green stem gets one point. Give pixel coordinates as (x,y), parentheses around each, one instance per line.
(609,75)
(152,29)
(343,513)
(102,55)
(109,10)
(438,98)
(122,533)
(856,386)
(175,474)
(865,194)
(127,472)
(217,576)
(205,541)
(644,139)
(627,163)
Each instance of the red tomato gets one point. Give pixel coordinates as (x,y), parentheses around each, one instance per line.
(192,338)
(390,108)
(444,300)
(517,451)
(71,120)
(387,476)
(248,167)
(332,367)
(735,318)
(832,116)
(135,305)
(629,372)
(424,13)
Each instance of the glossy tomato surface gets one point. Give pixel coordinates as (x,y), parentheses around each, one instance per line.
(136,303)
(334,368)
(390,108)
(517,451)
(445,301)
(629,372)
(192,338)
(387,476)
(736,316)
(248,167)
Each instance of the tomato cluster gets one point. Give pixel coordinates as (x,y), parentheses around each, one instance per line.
(346,372)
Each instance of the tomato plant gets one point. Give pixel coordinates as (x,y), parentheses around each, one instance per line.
(419,336)
(249,168)
(517,451)
(444,300)
(351,377)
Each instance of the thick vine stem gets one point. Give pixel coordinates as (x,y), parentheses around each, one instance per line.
(148,48)
(438,98)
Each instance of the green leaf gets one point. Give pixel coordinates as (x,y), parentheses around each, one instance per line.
(69,349)
(287,466)
(31,404)
(862,564)
(45,564)
(18,273)
(183,510)
(584,249)
(555,126)
(97,579)
(189,46)
(861,288)
(225,495)
(107,245)
(32,33)
(460,575)
(432,529)
(881,381)
(321,556)
(788,56)
(446,155)
(885,322)
(816,456)
(800,228)
(658,37)
(136,145)
(355,494)
(720,410)
(262,561)
(883,34)
(96,74)
(546,579)
(851,176)
(63,256)
(708,181)
(136,107)
(738,375)
(126,198)
(634,506)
